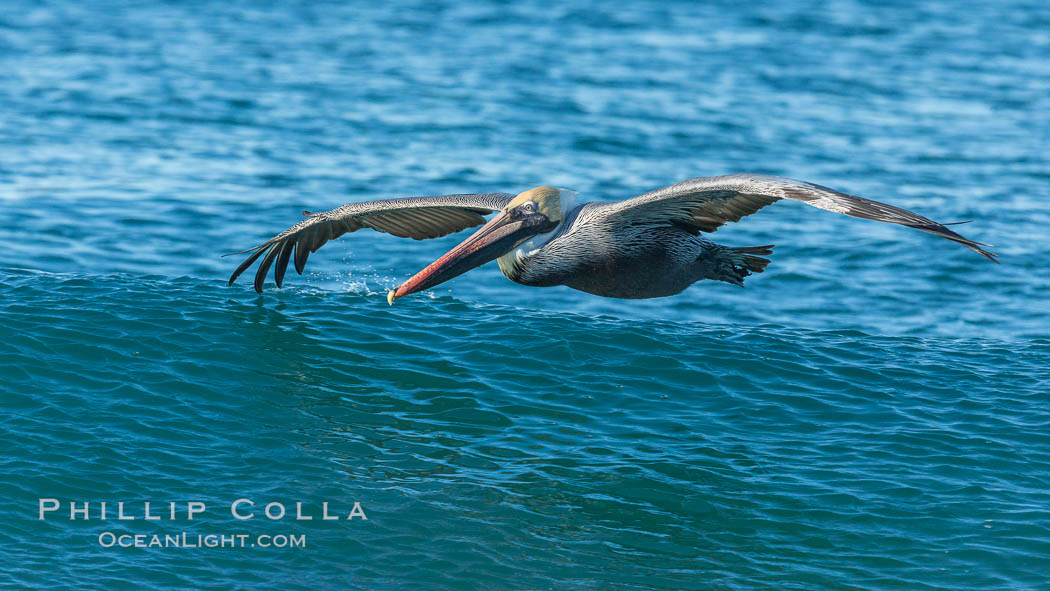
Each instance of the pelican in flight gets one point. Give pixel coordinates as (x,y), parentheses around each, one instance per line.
(649,246)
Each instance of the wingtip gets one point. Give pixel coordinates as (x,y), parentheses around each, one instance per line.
(991,256)
(245,251)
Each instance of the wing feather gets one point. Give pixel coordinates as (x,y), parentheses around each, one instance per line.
(418,218)
(247,262)
(282,263)
(706,203)
(264,266)
(301,253)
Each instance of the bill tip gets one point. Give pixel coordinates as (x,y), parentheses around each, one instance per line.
(390,296)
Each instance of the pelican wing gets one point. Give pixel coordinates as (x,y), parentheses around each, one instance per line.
(706,203)
(418,218)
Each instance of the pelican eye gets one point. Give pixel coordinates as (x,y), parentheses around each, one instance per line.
(529,206)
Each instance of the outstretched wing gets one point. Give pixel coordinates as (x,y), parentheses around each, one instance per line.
(706,203)
(418,218)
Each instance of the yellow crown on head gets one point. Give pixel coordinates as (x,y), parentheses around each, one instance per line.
(547,199)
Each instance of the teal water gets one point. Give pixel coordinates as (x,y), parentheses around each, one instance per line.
(870,413)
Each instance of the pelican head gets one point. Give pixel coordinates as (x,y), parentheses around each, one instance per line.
(530,214)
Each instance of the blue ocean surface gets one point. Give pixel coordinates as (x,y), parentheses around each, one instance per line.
(870,413)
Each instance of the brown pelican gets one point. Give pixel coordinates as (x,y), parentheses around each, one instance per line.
(647,246)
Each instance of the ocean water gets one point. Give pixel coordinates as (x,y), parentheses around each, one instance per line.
(870,413)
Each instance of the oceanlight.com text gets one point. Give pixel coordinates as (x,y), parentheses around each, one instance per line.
(109,539)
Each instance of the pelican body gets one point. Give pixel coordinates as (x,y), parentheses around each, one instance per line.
(649,246)
(628,261)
